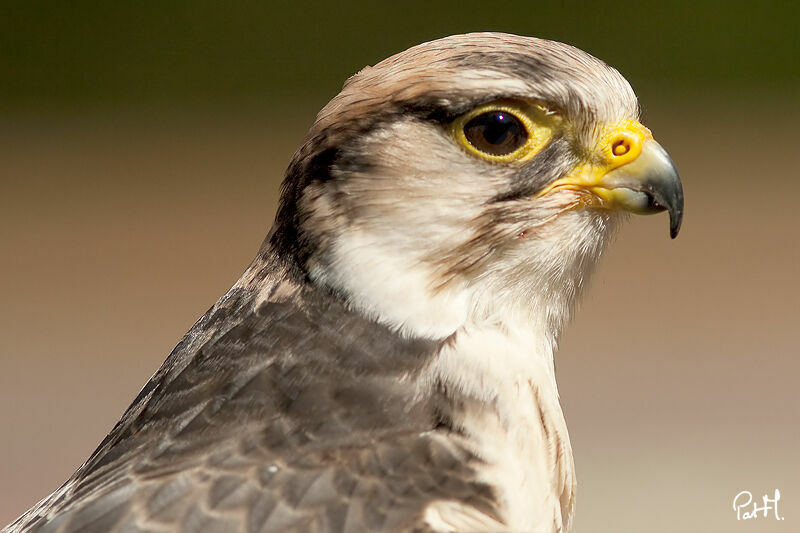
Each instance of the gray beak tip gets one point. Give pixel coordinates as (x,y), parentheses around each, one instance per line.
(676,213)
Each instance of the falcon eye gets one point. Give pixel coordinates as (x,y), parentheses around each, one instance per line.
(505,131)
(497,133)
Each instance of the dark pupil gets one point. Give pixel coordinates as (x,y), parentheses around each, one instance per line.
(496,133)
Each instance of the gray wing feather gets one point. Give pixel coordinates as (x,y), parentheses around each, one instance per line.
(295,414)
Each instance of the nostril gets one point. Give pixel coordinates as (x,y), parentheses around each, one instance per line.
(623,143)
(620,147)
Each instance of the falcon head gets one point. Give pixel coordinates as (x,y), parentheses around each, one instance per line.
(470,180)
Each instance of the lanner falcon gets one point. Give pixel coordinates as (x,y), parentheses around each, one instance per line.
(386,361)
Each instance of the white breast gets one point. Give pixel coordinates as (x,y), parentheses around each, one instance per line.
(510,412)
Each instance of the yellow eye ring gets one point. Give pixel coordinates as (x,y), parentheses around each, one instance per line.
(505,128)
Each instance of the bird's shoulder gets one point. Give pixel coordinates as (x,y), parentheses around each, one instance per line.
(281,409)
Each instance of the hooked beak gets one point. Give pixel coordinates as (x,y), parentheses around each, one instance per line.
(649,184)
(638,176)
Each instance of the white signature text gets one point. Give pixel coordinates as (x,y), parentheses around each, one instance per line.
(746,507)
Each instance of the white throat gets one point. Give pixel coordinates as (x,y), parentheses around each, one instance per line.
(502,328)
(533,286)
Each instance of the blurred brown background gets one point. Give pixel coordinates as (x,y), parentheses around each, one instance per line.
(141,150)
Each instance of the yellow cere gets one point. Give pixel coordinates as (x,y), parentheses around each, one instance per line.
(620,144)
(539,123)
